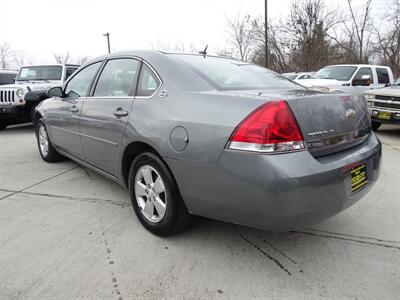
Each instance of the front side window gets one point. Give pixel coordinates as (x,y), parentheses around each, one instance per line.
(148,82)
(40,73)
(117,78)
(79,85)
(340,73)
(363,73)
(229,74)
(383,75)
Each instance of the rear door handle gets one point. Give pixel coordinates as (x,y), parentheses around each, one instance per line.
(74,108)
(119,112)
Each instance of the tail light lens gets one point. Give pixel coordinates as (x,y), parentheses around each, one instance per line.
(270,128)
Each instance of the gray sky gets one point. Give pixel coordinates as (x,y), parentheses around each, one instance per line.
(40,28)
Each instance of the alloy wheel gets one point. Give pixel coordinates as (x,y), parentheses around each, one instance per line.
(43,140)
(150,193)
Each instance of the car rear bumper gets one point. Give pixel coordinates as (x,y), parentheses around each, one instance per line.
(276,192)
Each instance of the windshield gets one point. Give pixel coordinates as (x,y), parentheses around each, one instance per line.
(40,73)
(341,73)
(229,74)
(397,81)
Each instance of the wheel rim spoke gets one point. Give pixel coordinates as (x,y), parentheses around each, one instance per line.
(140,189)
(146,172)
(149,209)
(159,186)
(160,207)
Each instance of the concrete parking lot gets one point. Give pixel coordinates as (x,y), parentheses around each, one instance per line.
(68,233)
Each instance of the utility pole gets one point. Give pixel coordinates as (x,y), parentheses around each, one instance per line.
(266,34)
(108,40)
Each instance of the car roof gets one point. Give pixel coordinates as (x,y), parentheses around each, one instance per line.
(359,65)
(43,65)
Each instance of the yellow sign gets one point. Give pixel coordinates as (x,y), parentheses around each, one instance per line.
(358,177)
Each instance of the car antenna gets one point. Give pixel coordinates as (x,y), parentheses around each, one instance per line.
(204,52)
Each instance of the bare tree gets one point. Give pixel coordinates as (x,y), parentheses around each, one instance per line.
(240,37)
(62,59)
(82,60)
(388,43)
(6,55)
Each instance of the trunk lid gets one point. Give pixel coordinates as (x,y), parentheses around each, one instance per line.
(329,122)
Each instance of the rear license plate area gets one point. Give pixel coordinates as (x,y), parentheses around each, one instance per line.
(358,177)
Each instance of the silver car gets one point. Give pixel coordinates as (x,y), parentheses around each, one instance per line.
(192,134)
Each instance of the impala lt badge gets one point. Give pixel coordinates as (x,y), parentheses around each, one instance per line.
(321,132)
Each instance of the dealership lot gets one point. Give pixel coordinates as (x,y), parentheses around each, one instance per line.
(68,233)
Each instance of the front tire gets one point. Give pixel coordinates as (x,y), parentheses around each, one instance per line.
(375,125)
(155,196)
(3,125)
(46,149)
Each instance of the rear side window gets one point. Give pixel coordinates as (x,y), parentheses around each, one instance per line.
(79,85)
(383,75)
(117,78)
(148,82)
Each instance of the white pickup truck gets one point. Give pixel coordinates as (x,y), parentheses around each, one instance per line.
(354,79)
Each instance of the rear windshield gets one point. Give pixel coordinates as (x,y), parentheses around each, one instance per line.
(341,73)
(229,74)
(40,73)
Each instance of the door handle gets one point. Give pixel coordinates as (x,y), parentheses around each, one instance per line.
(119,112)
(74,108)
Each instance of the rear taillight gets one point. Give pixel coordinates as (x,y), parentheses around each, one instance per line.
(270,128)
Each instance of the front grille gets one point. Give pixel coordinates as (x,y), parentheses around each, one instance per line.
(387,105)
(391,98)
(7,96)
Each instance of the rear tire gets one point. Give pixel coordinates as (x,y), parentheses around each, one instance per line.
(155,196)
(46,149)
(3,125)
(375,125)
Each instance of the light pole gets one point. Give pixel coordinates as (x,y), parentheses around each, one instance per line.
(108,40)
(266,33)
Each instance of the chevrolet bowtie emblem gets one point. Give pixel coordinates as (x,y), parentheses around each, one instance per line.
(350,113)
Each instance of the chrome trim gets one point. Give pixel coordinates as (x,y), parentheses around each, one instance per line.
(338,140)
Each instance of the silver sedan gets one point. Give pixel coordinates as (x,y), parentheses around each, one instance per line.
(192,134)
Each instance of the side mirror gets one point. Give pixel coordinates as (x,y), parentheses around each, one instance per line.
(55,92)
(364,81)
(387,85)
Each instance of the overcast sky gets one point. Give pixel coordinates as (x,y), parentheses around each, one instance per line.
(40,28)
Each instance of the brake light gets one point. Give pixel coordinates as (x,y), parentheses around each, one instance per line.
(270,128)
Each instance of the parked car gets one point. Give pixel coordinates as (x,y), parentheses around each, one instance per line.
(211,136)
(354,79)
(18,100)
(7,76)
(384,105)
(298,76)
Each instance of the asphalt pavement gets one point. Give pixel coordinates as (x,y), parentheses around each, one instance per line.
(68,233)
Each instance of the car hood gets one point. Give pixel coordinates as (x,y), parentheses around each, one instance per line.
(319,82)
(388,91)
(31,85)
